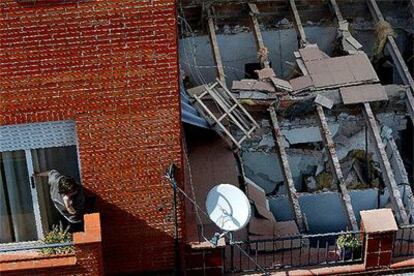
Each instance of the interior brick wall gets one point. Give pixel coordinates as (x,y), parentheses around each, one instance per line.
(111,66)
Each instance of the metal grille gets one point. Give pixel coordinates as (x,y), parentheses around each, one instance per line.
(37,135)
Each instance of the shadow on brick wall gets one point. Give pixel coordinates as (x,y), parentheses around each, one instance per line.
(130,244)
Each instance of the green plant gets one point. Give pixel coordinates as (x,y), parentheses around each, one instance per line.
(56,236)
(348,241)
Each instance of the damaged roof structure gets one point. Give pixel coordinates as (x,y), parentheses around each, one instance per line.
(315,115)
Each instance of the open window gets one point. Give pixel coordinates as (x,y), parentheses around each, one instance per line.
(26,210)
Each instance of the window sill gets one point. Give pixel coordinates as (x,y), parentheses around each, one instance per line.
(34,260)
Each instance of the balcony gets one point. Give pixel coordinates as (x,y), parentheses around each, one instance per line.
(84,252)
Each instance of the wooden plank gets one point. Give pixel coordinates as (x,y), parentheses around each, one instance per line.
(215,47)
(254,11)
(303,40)
(287,174)
(387,173)
(336,10)
(336,167)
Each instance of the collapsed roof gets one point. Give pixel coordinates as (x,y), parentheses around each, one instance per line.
(331,127)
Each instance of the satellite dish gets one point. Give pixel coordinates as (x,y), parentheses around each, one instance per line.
(228,207)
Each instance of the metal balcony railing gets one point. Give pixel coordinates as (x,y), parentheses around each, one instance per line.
(404,241)
(296,251)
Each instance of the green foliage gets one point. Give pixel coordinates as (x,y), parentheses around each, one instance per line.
(348,241)
(56,236)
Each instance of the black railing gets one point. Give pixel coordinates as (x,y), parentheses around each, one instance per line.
(297,251)
(404,241)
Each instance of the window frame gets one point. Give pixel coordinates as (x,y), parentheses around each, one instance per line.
(42,135)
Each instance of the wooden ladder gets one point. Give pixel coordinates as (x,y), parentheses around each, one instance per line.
(229,108)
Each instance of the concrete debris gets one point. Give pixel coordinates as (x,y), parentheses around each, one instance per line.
(279,229)
(386,133)
(311,184)
(281,84)
(226,29)
(351,40)
(239,29)
(285,23)
(254,95)
(260,226)
(305,135)
(256,194)
(324,101)
(252,85)
(267,141)
(265,73)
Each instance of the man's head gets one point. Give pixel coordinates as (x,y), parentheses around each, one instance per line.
(67,185)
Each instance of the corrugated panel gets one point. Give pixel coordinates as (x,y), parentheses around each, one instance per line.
(189,114)
(37,135)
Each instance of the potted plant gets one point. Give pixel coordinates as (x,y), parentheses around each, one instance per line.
(349,246)
(58,235)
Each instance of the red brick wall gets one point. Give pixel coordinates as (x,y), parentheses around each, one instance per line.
(88,262)
(112,67)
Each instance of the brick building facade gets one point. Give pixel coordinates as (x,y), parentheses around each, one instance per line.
(111,67)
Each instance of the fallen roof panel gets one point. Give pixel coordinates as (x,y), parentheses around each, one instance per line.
(363,94)
(312,53)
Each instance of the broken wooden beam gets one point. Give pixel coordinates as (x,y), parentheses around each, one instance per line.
(287,174)
(336,167)
(298,24)
(215,47)
(348,43)
(254,12)
(387,173)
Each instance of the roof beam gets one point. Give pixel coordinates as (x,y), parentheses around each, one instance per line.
(254,12)
(399,166)
(412,17)
(287,174)
(215,47)
(336,167)
(336,10)
(396,57)
(298,24)
(387,173)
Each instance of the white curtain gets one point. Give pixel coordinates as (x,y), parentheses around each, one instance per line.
(17,217)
